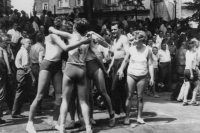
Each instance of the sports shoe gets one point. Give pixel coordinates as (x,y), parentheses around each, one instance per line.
(156,96)
(92,121)
(127,121)
(140,121)
(91,131)
(112,122)
(185,103)
(30,129)
(194,103)
(70,125)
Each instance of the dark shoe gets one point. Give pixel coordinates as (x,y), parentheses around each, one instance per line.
(185,103)
(39,113)
(194,104)
(18,116)
(2,122)
(179,100)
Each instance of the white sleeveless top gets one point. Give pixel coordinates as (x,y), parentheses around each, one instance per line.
(138,62)
(77,56)
(52,52)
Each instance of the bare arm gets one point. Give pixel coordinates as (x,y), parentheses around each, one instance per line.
(126,44)
(125,62)
(123,66)
(73,45)
(60,33)
(150,66)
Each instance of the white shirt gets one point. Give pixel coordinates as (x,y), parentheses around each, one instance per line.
(53,51)
(125,23)
(138,62)
(35,26)
(190,57)
(159,40)
(15,35)
(37,50)
(155,61)
(22,59)
(164,56)
(156,45)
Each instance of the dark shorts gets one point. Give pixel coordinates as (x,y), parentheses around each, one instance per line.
(52,67)
(76,73)
(91,67)
(187,75)
(137,78)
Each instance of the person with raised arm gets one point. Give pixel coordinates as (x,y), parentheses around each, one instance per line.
(50,69)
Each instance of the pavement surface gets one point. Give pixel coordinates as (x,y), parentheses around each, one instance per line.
(160,114)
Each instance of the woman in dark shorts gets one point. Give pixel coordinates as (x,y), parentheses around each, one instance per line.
(140,64)
(190,72)
(95,72)
(51,70)
(75,73)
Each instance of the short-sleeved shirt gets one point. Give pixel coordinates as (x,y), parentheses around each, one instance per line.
(37,50)
(164,56)
(190,57)
(15,35)
(23,60)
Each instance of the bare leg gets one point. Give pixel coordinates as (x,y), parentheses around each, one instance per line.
(131,88)
(57,84)
(140,90)
(91,102)
(99,82)
(83,98)
(68,86)
(44,80)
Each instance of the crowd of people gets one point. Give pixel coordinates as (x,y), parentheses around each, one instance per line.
(138,57)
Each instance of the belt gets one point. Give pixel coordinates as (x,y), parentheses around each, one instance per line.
(164,62)
(35,63)
(21,69)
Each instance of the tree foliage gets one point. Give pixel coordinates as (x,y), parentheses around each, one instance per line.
(194,6)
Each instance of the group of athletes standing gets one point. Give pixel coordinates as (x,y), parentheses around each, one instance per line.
(130,66)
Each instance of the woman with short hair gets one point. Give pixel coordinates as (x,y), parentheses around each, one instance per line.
(140,64)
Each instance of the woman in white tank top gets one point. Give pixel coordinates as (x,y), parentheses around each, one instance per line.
(140,63)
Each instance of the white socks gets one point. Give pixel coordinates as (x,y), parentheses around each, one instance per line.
(30,123)
(88,128)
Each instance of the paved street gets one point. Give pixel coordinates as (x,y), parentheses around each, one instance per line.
(161,116)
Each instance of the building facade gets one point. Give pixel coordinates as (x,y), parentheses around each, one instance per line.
(57,6)
(5,5)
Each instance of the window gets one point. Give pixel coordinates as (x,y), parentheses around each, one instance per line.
(111,2)
(79,2)
(63,3)
(108,1)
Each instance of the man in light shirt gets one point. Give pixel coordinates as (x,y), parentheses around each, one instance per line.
(164,64)
(159,38)
(15,35)
(155,44)
(24,74)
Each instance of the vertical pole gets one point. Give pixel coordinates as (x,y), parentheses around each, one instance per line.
(5,6)
(175,11)
(154,2)
(136,12)
(54,7)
